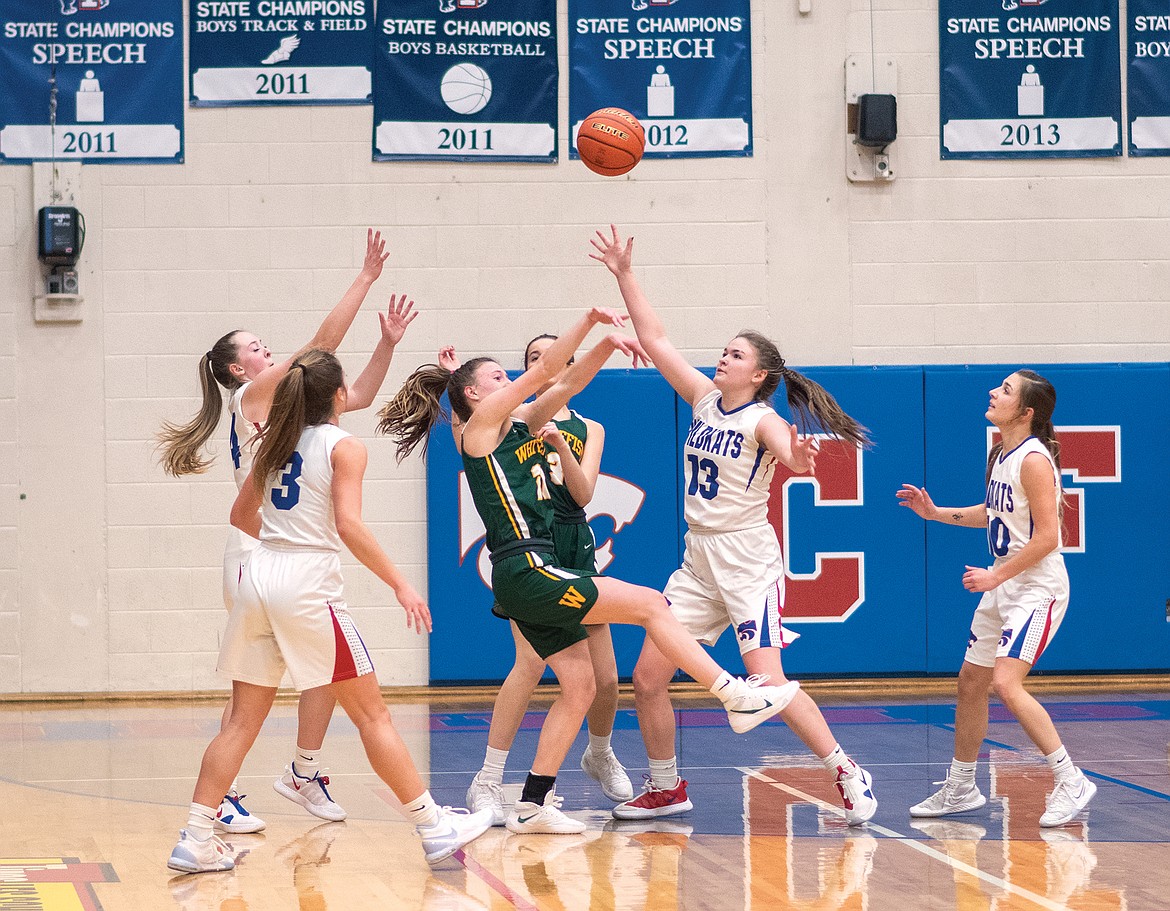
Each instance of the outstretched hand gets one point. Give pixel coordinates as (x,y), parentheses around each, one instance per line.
(618,258)
(918,499)
(376,254)
(399,314)
(631,347)
(448,359)
(804,451)
(607,316)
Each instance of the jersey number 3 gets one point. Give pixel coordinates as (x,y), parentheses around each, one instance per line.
(287,493)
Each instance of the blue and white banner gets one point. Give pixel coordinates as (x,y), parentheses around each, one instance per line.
(91,80)
(281,52)
(682,67)
(1149,77)
(466,80)
(1029,78)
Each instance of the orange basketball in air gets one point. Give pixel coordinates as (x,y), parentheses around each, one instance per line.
(611,141)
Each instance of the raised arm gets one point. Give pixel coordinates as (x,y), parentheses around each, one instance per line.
(257,397)
(349,465)
(399,314)
(688,382)
(482,432)
(577,377)
(919,500)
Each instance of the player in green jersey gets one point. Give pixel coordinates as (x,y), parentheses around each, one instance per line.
(507,473)
(574,462)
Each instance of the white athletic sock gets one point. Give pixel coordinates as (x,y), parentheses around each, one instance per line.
(664,773)
(200,820)
(962,773)
(725,687)
(600,745)
(1061,763)
(838,763)
(493,765)
(422,811)
(307,763)
(234,790)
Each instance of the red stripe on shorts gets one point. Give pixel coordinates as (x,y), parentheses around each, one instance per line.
(343,664)
(1044,635)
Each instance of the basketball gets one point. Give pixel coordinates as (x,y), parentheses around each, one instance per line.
(611,141)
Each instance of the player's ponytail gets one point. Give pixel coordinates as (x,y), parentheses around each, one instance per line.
(416,408)
(1039,394)
(304,397)
(813,407)
(179,445)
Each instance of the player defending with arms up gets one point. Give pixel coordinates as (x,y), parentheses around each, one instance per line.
(733,571)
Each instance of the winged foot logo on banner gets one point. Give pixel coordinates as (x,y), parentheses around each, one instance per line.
(69,7)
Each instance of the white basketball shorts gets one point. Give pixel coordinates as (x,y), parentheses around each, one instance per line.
(1015,620)
(731,578)
(235,555)
(290,613)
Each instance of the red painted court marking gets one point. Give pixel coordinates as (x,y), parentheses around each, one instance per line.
(473,866)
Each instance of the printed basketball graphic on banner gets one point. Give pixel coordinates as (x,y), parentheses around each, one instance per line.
(466,88)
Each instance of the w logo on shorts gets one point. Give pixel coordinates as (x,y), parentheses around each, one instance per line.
(572,598)
(746,631)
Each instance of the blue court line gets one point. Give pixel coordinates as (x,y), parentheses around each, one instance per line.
(1091,774)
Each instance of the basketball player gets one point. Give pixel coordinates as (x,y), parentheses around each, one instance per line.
(574,463)
(507,471)
(244,367)
(732,572)
(302,500)
(1025,594)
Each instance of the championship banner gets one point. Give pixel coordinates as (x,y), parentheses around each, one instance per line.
(466,80)
(682,67)
(281,52)
(1029,78)
(1149,77)
(91,80)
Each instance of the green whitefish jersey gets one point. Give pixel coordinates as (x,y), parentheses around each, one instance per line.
(510,489)
(575,431)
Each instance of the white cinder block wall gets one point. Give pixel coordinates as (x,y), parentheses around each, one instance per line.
(110,572)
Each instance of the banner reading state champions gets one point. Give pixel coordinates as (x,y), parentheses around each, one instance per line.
(682,67)
(1029,78)
(1149,77)
(281,51)
(91,80)
(469,80)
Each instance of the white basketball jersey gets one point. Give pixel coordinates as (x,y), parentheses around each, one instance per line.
(726,471)
(297,509)
(1009,514)
(241,432)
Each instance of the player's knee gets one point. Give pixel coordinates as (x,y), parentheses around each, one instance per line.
(579,691)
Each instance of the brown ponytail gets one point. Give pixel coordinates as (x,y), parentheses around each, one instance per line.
(303,398)
(813,407)
(416,408)
(179,445)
